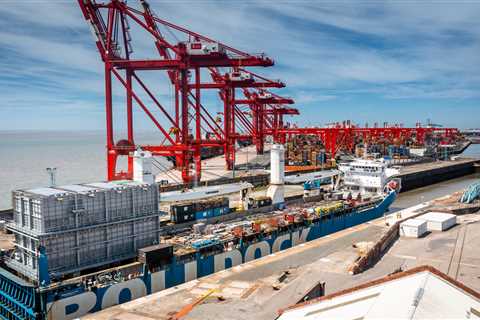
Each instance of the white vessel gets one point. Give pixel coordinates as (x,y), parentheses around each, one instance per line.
(367,175)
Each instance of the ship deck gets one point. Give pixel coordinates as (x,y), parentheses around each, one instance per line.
(247,291)
(271,222)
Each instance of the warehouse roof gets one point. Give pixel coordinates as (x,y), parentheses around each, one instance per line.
(420,293)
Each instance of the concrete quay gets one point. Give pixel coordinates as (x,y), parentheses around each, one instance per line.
(424,174)
(413,176)
(214,168)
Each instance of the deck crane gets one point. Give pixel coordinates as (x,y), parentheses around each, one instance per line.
(181,61)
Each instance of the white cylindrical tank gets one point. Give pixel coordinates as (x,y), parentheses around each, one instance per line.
(142,167)
(277,164)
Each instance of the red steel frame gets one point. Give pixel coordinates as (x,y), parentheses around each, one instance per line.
(344,137)
(262,117)
(240,124)
(110,26)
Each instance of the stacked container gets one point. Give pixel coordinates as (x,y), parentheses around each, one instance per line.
(201,209)
(301,150)
(181,213)
(82,226)
(398,151)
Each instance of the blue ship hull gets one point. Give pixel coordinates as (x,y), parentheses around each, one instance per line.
(18,300)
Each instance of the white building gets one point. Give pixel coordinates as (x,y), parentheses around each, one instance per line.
(419,293)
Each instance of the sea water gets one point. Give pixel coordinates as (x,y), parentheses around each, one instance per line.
(78,156)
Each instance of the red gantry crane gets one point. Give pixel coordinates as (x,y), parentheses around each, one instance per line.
(194,64)
(344,136)
(183,62)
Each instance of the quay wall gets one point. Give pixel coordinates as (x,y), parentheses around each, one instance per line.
(433,174)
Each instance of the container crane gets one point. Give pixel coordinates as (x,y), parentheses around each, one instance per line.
(182,60)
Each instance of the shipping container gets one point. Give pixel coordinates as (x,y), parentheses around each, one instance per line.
(181,216)
(202,209)
(205,214)
(157,255)
(260,202)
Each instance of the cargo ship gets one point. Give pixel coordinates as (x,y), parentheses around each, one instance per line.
(82,248)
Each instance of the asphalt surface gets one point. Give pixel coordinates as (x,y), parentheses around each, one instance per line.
(247,291)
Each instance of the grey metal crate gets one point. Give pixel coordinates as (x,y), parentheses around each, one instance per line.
(80,249)
(45,210)
(82,226)
(93,253)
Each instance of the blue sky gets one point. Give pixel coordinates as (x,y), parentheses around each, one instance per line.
(397,61)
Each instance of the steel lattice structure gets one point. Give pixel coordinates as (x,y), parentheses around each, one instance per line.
(182,61)
(192,65)
(345,136)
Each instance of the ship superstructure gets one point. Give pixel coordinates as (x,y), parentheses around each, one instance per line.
(366,175)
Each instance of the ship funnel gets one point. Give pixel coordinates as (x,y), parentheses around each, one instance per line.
(276,190)
(142,167)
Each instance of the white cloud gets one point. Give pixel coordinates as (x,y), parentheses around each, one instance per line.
(57,54)
(308,97)
(393,50)
(53,14)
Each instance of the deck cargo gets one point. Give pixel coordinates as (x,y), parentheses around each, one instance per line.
(156,255)
(82,226)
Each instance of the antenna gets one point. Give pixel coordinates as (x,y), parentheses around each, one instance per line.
(51,172)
